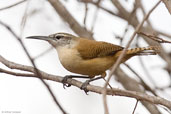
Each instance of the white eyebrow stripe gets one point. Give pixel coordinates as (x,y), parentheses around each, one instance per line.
(61,34)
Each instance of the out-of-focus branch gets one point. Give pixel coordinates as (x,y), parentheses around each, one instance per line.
(7,7)
(123,53)
(115,91)
(164,34)
(124,13)
(155,38)
(146,29)
(125,16)
(167,4)
(44,52)
(35,68)
(132,20)
(68,18)
(101,7)
(146,86)
(85,16)
(132,85)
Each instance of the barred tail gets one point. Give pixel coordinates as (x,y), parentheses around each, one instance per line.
(151,50)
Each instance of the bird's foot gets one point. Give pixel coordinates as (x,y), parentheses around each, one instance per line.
(84,86)
(64,81)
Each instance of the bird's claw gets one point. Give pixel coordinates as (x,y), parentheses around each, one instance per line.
(84,86)
(64,81)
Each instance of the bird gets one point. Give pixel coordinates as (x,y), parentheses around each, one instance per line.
(87,57)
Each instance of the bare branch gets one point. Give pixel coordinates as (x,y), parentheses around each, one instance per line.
(24,19)
(164,34)
(132,19)
(44,52)
(94,19)
(167,4)
(155,38)
(32,61)
(135,107)
(101,7)
(67,17)
(13,5)
(16,73)
(115,91)
(85,16)
(127,16)
(123,53)
(142,81)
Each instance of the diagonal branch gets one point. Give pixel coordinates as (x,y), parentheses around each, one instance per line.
(35,68)
(123,53)
(155,38)
(7,7)
(67,17)
(167,4)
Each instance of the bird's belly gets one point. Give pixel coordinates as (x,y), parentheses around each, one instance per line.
(73,62)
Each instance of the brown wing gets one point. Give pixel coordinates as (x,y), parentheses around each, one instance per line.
(89,49)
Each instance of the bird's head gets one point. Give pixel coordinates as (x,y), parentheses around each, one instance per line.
(57,39)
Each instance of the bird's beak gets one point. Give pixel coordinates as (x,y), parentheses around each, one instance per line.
(47,38)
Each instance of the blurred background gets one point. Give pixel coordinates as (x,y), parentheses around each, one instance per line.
(112,21)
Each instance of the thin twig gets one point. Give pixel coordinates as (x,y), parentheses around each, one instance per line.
(35,68)
(167,4)
(24,19)
(44,52)
(146,72)
(96,3)
(16,73)
(164,34)
(122,55)
(7,7)
(101,7)
(95,16)
(135,107)
(155,38)
(142,81)
(94,20)
(67,17)
(108,83)
(139,2)
(86,12)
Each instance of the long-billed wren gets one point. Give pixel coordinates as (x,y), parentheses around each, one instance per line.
(89,57)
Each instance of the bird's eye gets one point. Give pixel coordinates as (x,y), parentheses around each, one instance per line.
(58,37)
